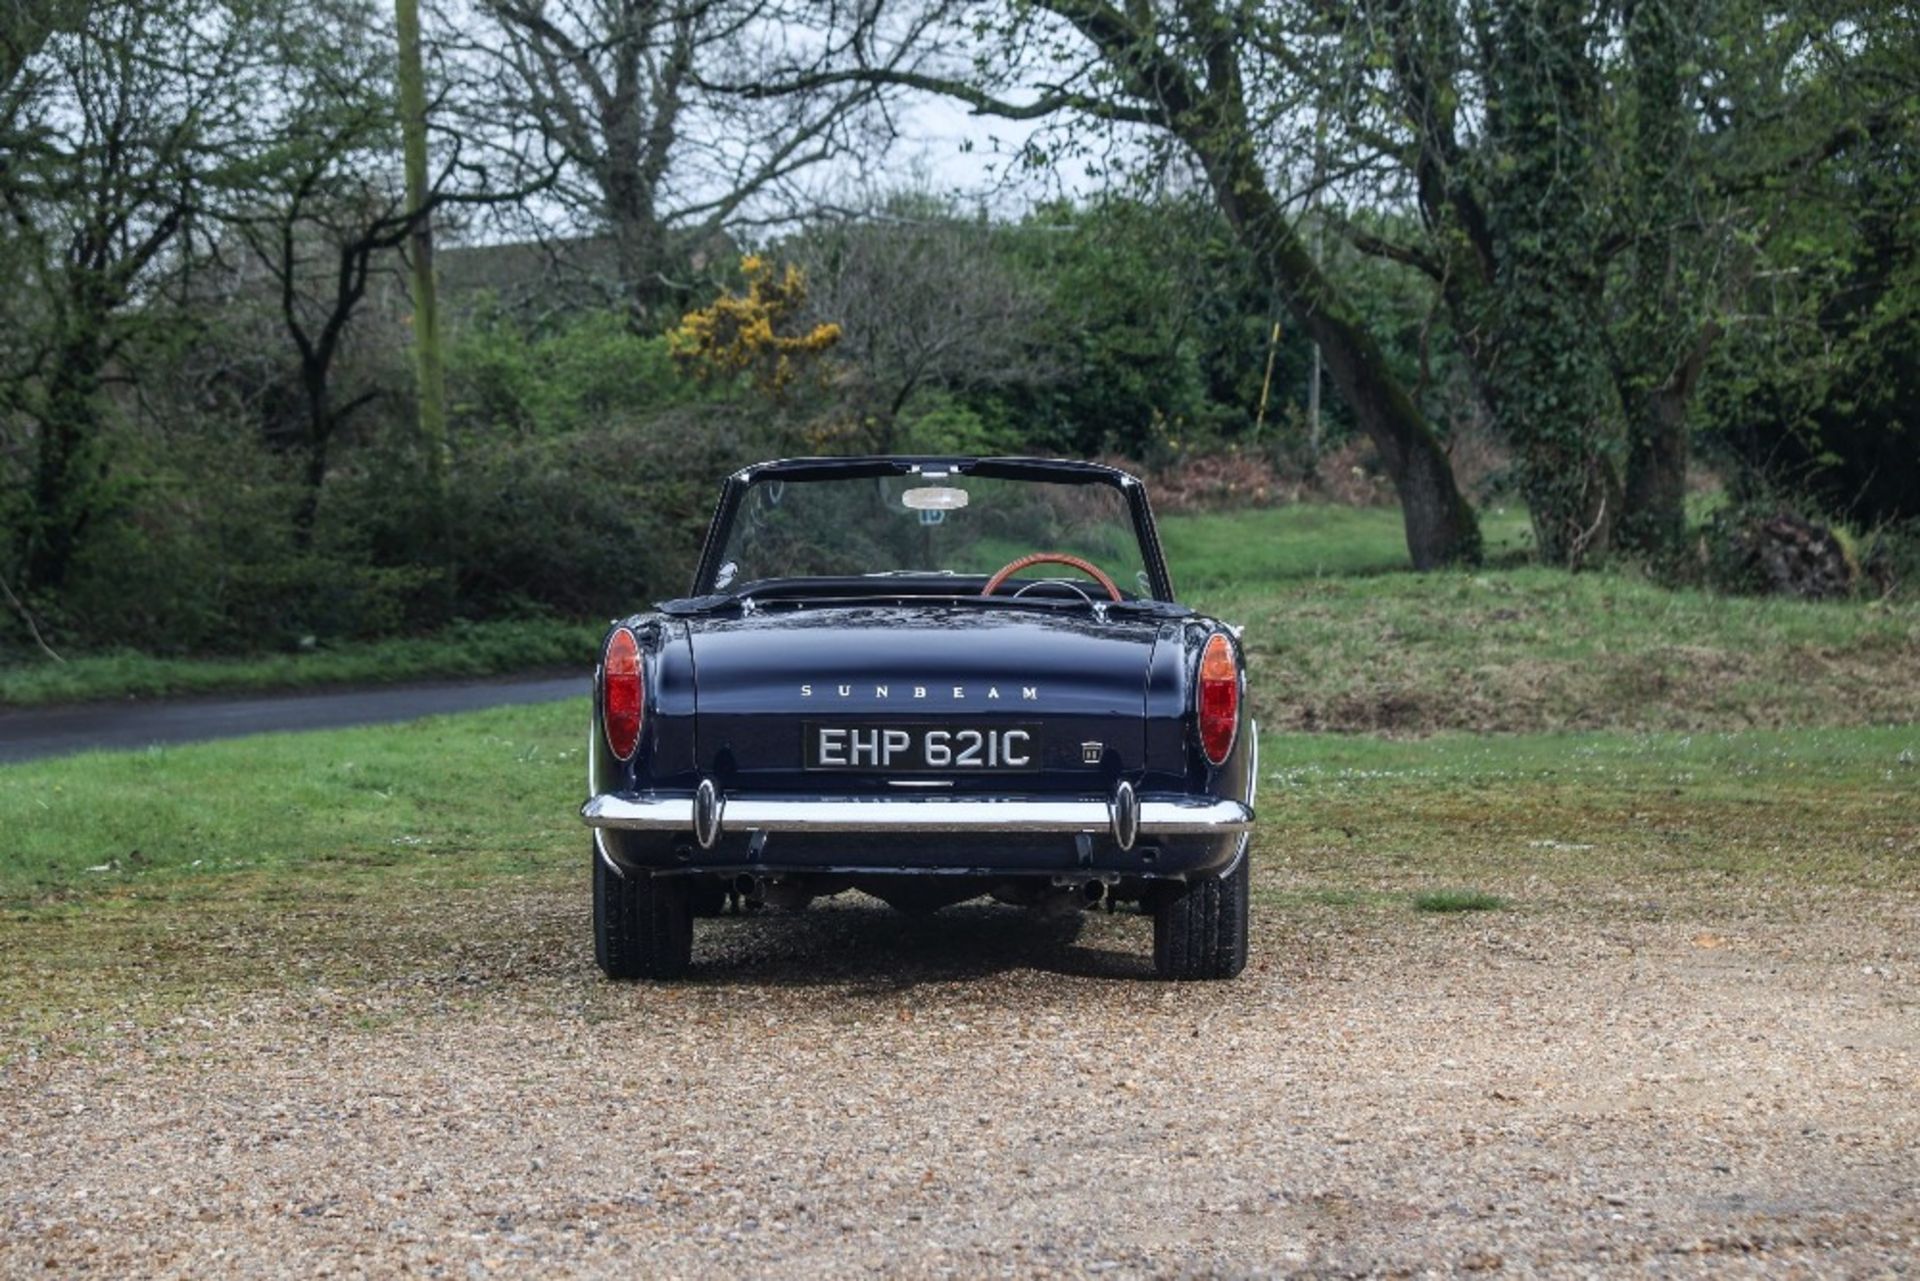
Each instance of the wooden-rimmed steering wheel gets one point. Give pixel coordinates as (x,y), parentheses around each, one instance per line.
(1086,567)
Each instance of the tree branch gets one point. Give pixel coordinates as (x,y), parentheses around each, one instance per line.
(1380,247)
(983,103)
(26,616)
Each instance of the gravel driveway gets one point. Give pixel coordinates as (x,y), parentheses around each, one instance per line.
(443,1086)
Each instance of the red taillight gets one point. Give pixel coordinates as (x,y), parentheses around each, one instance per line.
(1218,698)
(623,693)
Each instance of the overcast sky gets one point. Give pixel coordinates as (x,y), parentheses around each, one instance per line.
(950,149)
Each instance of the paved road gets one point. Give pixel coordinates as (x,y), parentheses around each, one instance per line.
(57,731)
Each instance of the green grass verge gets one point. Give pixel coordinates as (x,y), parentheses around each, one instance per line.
(468,650)
(1527,649)
(145,885)
(1665,812)
(479,791)
(1212,552)
(1535,649)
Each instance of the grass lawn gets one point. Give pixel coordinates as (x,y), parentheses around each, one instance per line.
(1214,551)
(1643,733)
(482,791)
(176,883)
(1532,649)
(1339,643)
(455,799)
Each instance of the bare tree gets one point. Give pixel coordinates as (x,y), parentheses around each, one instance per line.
(326,210)
(655,159)
(923,303)
(113,119)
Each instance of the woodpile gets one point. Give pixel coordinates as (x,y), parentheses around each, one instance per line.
(1792,556)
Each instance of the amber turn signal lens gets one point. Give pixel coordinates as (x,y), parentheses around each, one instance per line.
(623,693)
(1218,698)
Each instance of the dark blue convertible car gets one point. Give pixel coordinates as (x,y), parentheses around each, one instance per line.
(929,679)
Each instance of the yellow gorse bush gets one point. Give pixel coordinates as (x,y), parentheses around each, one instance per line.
(739,333)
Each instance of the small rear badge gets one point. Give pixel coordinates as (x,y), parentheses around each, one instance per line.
(1090,753)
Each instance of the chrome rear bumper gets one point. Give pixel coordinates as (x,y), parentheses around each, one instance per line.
(1157,815)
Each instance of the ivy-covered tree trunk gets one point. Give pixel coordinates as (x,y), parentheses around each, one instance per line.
(1553,391)
(1654,501)
(66,471)
(1656,385)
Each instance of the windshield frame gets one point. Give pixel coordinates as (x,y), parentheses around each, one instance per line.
(1054,471)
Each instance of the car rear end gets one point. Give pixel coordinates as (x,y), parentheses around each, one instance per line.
(875,685)
(912,740)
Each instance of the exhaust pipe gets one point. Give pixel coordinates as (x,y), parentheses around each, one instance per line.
(1064,900)
(787,894)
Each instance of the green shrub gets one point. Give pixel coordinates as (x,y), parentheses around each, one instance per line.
(939,424)
(590,370)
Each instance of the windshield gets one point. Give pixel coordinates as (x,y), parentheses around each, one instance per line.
(901,525)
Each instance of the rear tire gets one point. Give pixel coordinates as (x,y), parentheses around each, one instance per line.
(1200,927)
(642,924)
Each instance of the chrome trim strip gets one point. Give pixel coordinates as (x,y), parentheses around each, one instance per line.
(1159,816)
(1253,790)
(600,852)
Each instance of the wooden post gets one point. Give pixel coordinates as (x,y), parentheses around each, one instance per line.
(430,371)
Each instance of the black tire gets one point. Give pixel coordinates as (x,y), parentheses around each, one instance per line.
(1200,927)
(642,925)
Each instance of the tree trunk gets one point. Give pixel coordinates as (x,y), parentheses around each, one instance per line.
(1654,519)
(1440,527)
(1662,42)
(639,240)
(1554,391)
(62,501)
(640,256)
(1573,497)
(319,440)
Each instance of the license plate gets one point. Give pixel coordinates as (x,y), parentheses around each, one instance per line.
(922,748)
